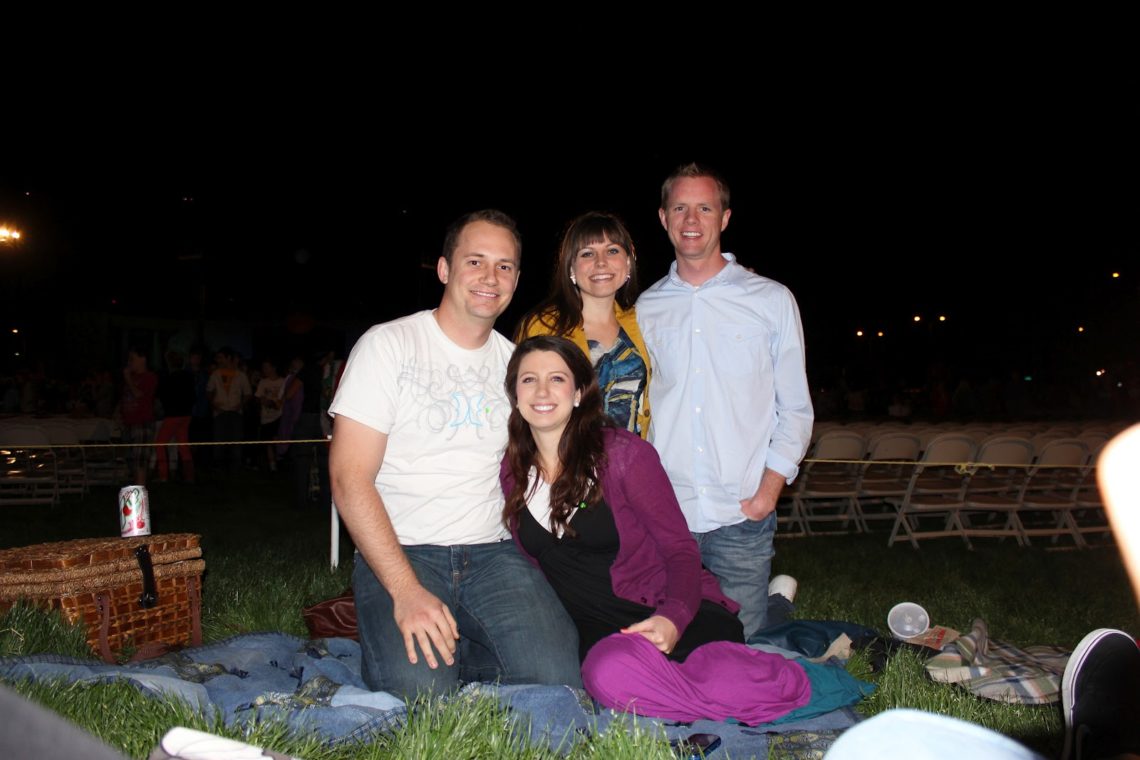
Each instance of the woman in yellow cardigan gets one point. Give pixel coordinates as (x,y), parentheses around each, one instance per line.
(591,303)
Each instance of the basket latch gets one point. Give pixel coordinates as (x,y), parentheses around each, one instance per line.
(149,596)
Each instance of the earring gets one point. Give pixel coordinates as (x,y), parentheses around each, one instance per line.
(573,279)
(628,276)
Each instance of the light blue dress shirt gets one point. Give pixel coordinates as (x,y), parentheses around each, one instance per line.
(729,393)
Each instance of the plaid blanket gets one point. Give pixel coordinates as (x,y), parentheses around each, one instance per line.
(999,671)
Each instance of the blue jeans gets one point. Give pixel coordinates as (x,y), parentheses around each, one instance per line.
(512,628)
(740,556)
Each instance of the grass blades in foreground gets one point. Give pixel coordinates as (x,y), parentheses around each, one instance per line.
(27,629)
(477,728)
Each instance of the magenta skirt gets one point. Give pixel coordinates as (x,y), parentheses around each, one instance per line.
(719,680)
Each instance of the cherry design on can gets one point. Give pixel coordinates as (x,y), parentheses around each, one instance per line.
(134,511)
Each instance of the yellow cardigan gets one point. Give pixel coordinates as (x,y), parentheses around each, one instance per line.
(627,318)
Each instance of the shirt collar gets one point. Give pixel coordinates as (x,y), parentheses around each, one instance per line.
(725,275)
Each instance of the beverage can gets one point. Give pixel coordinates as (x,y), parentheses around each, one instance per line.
(134,511)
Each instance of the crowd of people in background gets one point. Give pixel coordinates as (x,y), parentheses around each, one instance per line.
(196,397)
(944,396)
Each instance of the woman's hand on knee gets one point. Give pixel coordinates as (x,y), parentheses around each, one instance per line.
(659,630)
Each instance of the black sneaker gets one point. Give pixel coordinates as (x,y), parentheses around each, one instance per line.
(1100,696)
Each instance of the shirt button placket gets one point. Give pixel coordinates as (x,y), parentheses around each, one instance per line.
(700,357)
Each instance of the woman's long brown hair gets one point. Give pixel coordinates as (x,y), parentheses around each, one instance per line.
(561,311)
(581,450)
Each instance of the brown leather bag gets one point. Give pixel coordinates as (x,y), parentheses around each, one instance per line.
(333,618)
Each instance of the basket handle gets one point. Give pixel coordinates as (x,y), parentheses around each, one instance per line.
(195,594)
(145,652)
(149,596)
(103,604)
(151,649)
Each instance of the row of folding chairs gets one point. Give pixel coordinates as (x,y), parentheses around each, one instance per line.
(951,485)
(1094,435)
(46,459)
(1008,491)
(30,471)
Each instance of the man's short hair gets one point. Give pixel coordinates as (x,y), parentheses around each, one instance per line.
(696,170)
(489,215)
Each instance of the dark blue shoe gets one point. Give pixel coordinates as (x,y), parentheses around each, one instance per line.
(1100,696)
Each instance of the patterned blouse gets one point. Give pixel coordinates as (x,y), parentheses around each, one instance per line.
(621,377)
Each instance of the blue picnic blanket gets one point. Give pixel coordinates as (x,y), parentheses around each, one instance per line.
(315,686)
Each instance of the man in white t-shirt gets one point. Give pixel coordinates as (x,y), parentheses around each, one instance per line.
(442,593)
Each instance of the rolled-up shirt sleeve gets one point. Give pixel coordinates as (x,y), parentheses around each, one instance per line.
(794,412)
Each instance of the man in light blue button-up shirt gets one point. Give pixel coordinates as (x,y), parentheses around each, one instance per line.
(732,414)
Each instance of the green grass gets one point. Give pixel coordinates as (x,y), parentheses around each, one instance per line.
(903,683)
(28,629)
(478,727)
(266,560)
(123,717)
(1026,595)
(266,592)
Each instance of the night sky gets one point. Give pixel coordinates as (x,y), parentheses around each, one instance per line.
(1007,216)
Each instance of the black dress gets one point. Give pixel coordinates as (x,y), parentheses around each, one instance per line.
(578,569)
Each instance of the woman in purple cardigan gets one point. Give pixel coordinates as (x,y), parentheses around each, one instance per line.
(592,506)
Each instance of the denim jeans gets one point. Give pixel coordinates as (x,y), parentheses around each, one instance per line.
(740,556)
(512,628)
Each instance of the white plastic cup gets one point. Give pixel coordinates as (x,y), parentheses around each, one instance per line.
(907,619)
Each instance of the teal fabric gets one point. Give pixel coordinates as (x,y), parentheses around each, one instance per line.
(832,687)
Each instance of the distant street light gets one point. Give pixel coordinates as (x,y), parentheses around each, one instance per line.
(9,235)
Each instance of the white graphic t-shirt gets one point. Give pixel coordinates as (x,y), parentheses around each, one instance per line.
(445,412)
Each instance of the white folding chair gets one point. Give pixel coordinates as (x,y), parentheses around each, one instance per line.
(28,474)
(886,473)
(825,490)
(993,495)
(934,491)
(71,463)
(1050,493)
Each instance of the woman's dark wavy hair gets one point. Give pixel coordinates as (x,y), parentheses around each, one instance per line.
(581,449)
(561,311)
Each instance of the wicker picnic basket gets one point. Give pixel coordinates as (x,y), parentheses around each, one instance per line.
(141,595)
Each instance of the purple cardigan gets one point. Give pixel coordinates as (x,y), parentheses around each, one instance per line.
(658,563)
